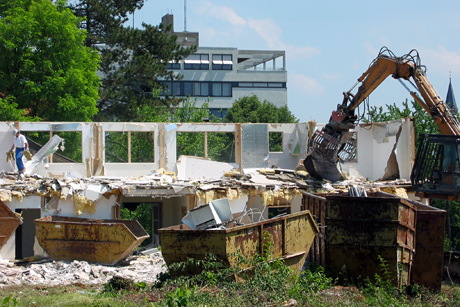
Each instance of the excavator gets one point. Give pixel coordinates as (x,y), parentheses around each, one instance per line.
(436,170)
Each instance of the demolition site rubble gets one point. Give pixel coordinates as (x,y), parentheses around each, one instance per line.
(141,267)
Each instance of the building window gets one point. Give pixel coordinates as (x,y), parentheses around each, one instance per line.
(197,89)
(222,62)
(188,89)
(197,61)
(221,89)
(172,88)
(173,65)
(204,89)
(219,113)
(261,84)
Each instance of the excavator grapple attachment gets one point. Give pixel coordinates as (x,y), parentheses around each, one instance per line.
(326,148)
(321,168)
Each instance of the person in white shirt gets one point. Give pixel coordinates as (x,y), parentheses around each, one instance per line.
(20,143)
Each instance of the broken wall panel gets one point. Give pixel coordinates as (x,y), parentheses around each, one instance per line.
(294,144)
(254,144)
(378,142)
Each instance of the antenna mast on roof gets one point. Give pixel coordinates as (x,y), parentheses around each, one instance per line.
(185,15)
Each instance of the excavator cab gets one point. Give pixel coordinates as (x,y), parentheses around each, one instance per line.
(436,171)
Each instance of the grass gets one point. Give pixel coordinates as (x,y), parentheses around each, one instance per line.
(270,283)
(311,289)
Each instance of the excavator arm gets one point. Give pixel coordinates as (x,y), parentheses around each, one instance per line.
(336,142)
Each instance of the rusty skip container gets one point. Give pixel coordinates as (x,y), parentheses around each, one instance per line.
(427,268)
(362,229)
(92,240)
(290,235)
(9,221)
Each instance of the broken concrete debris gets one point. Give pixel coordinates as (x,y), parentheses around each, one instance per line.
(143,268)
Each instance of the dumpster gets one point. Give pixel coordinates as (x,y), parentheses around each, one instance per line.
(92,240)
(290,235)
(9,221)
(362,230)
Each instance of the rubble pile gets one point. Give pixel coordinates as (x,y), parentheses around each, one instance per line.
(143,268)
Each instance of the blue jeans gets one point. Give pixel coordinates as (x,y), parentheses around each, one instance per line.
(19,162)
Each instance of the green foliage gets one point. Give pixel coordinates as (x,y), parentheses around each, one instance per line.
(393,112)
(316,280)
(180,297)
(252,110)
(143,214)
(119,284)
(272,287)
(132,72)
(423,123)
(381,291)
(133,60)
(102,18)
(142,146)
(452,237)
(45,69)
(10,301)
(9,111)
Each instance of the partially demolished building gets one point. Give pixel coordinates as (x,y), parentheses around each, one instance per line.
(258,178)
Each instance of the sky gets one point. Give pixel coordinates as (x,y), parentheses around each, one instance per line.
(328,44)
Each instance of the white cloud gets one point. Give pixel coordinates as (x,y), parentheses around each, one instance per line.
(267,29)
(441,60)
(305,84)
(222,12)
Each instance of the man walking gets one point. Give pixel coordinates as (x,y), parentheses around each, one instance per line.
(20,142)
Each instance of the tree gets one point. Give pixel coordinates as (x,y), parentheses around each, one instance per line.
(188,143)
(45,69)
(133,60)
(132,82)
(9,111)
(103,18)
(423,123)
(252,110)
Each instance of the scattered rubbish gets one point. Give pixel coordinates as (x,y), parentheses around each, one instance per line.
(143,268)
(210,215)
(357,191)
